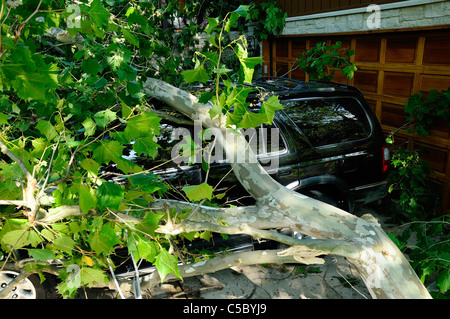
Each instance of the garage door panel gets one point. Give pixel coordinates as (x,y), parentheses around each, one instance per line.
(366,80)
(392,115)
(367,50)
(401,50)
(434,82)
(436,50)
(399,84)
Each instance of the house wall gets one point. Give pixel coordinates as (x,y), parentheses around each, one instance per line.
(398,15)
(407,54)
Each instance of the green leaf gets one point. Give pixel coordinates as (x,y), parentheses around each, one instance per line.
(46,129)
(91,66)
(270,106)
(90,165)
(248,67)
(196,75)
(130,37)
(98,13)
(3,118)
(251,119)
(144,124)
(167,263)
(150,223)
(443,280)
(110,196)
(41,254)
(64,243)
(146,145)
(108,151)
(242,10)
(198,192)
(103,241)
(87,199)
(90,276)
(212,25)
(89,127)
(103,118)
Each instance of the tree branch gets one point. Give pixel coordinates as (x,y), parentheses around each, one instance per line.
(219,263)
(11,155)
(29,199)
(326,246)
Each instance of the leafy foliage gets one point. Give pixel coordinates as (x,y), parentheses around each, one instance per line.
(425,112)
(71,107)
(410,181)
(268,17)
(321,61)
(429,252)
(425,239)
(230,98)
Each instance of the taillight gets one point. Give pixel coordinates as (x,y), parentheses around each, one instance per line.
(386,159)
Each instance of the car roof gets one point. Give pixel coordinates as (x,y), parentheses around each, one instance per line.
(290,87)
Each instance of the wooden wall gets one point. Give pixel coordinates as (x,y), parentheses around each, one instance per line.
(391,67)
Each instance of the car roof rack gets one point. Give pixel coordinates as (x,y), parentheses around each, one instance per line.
(300,84)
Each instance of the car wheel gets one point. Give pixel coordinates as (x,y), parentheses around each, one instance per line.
(29,288)
(321,197)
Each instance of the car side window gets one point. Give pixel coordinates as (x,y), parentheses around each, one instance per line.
(328,121)
(270,140)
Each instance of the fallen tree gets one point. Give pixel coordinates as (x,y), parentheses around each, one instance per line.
(382,266)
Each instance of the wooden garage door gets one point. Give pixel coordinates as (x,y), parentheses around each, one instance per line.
(391,67)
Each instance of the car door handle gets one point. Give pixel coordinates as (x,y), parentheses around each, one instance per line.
(284,171)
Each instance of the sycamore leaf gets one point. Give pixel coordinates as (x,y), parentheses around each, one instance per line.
(103,241)
(90,165)
(41,254)
(3,118)
(248,67)
(144,124)
(198,192)
(150,223)
(108,151)
(443,280)
(103,118)
(46,129)
(270,106)
(90,276)
(212,25)
(196,75)
(146,145)
(130,38)
(98,13)
(89,127)
(110,196)
(63,243)
(251,119)
(87,199)
(167,263)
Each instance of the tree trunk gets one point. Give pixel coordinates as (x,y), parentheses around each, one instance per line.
(382,266)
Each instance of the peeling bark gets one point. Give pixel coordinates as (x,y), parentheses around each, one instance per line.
(382,266)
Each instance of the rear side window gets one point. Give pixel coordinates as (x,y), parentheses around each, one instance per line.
(328,121)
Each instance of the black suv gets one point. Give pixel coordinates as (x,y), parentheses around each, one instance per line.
(328,145)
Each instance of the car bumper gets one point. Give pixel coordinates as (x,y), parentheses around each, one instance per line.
(369,193)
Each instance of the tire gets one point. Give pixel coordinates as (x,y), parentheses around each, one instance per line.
(30,288)
(321,196)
